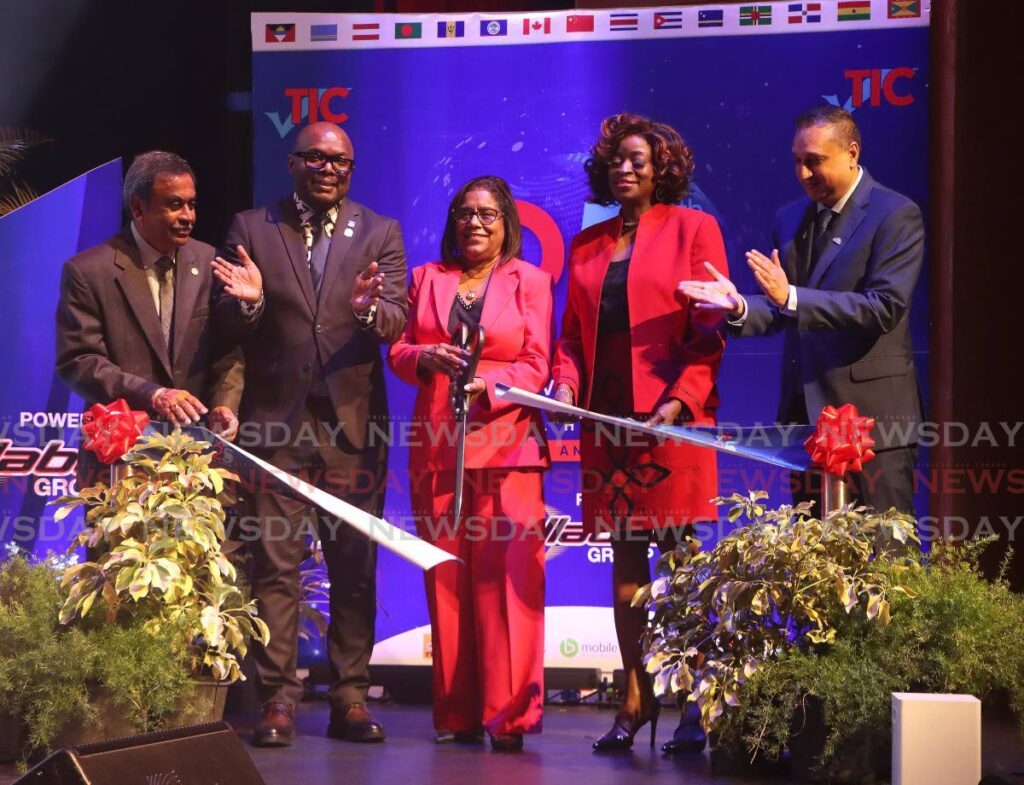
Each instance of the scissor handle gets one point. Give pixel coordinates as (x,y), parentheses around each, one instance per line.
(457,396)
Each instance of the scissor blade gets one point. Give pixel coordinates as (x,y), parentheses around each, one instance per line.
(460,466)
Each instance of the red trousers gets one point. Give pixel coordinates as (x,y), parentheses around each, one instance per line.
(487,613)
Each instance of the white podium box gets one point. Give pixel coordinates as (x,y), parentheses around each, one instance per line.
(936,739)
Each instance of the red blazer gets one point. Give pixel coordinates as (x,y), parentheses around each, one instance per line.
(676,351)
(517,316)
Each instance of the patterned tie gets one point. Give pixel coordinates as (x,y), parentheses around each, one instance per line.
(165,275)
(318,253)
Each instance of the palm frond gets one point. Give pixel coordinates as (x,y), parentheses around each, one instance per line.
(14,143)
(19,195)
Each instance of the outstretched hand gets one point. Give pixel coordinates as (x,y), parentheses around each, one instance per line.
(718,294)
(242,280)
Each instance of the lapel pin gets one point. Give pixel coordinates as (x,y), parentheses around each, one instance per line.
(348,231)
(195,271)
(837,240)
(350,228)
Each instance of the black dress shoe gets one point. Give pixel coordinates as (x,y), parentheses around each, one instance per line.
(276,727)
(354,723)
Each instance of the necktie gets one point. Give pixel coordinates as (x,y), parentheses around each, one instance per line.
(165,275)
(318,253)
(822,221)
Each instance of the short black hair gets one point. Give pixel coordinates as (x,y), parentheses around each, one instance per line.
(512,246)
(139,179)
(843,125)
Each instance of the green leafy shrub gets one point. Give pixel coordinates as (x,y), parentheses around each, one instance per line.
(50,674)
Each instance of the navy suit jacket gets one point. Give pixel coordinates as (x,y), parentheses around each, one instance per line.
(850,339)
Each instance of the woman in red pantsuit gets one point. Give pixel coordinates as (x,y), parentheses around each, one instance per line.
(486,614)
(631,347)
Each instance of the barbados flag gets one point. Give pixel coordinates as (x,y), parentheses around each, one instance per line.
(451,29)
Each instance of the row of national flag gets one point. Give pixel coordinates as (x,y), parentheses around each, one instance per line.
(614,21)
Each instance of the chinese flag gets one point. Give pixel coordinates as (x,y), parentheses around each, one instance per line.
(579,24)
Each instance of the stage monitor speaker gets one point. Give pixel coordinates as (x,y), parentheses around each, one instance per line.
(198,755)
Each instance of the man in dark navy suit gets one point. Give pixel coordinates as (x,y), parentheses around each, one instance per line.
(839,285)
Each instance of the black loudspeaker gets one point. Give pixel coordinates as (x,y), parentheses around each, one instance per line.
(198,755)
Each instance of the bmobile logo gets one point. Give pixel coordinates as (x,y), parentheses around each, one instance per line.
(569,647)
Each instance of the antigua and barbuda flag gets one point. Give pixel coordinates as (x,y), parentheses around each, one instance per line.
(280,34)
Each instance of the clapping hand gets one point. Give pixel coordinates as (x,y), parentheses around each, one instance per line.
(367,289)
(770,276)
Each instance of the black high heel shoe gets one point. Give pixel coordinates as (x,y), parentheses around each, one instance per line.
(506,742)
(688,738)
(620,737)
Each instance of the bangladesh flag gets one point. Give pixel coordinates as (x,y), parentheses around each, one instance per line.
(408,30)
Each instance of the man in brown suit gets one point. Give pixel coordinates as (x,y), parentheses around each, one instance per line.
(134,315)
(325,285)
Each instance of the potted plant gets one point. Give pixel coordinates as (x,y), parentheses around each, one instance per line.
(70,684)
(792,633)
(159,534)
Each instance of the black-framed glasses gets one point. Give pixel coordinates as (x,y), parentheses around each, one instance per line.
(464,215)
(315,159)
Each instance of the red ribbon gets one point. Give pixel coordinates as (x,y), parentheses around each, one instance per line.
(842,442)
(111,430)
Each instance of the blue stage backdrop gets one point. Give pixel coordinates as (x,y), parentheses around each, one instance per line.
(431,101)
(39,418)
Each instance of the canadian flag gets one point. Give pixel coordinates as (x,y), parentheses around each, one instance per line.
(542,26)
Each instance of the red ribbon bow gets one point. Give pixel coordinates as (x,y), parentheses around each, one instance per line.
(842,442)
(111,430)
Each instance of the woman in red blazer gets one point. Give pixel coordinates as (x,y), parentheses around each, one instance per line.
(487,613)
(630,347)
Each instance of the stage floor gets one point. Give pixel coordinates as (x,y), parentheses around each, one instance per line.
(561,755)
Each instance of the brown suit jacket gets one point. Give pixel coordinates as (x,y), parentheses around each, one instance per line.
(298,332)
(109,344)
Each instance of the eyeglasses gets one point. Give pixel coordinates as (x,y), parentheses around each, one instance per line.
(486,216)
(316,160)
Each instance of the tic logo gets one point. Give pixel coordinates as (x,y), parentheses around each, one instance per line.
(875,87)
(310,104)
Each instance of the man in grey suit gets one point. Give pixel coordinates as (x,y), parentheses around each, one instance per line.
(134,315)
(312,285)
(839,285)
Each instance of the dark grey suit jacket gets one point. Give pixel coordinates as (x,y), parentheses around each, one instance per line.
(850,339)
(297,331)
(109,343)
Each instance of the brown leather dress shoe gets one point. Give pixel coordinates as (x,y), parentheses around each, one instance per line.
(276,727)
(354,723)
